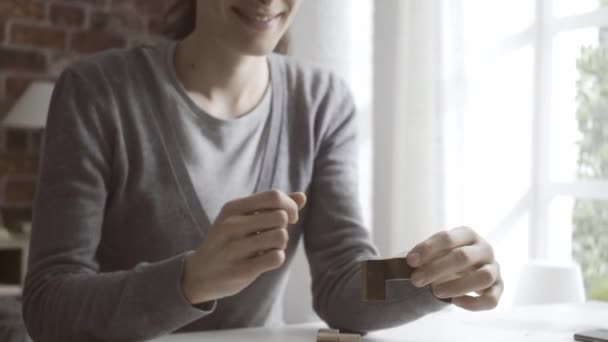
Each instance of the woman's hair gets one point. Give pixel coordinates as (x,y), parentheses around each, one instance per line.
(180,21)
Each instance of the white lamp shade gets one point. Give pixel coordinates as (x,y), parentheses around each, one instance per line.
(32,108)
(547,283)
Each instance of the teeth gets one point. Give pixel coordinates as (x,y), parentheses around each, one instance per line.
(265,19)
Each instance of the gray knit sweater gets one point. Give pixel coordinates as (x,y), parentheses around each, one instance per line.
(116,210)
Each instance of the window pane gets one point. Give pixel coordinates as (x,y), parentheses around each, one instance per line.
(590,244)
(580,64)
(559,240)
(494,20)
(488,125)
(579,228)
(562,8)
(490,155)
(496,141)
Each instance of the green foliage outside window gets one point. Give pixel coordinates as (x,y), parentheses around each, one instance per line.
(590,217)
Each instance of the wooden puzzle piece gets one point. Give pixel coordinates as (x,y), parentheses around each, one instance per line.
(375,273)
(333,335)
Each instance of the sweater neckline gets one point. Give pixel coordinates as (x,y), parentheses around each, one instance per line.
(253,117)
(270,151)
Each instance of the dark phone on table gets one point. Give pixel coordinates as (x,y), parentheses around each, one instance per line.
(592,336)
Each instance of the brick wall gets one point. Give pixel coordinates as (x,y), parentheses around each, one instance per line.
(38,38)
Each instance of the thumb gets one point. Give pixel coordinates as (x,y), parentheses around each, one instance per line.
(299,198)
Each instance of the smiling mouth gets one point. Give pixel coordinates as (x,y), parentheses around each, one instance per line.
(257,21)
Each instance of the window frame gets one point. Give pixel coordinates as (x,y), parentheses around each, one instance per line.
(546,28)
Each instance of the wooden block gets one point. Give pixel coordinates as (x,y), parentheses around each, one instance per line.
(375,274)
(333,335)
(350,338)
(328,335)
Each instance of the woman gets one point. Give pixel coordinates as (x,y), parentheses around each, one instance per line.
(145,222)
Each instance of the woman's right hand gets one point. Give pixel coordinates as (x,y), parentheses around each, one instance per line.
(248,238)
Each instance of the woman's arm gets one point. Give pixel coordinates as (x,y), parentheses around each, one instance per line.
(65,296)
(335,239)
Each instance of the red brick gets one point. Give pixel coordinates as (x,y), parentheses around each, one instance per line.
(15,140)
(116,21)
(2,31)
(93,41)
(37,36)
(122,4)
(17,163)
(36,137)
(22,9)
(153,8)
(65,15)
(98,3)
(156,26)
(19,189)
(20,60)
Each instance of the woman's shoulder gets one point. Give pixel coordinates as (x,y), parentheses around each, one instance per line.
(311,80)
(321,100)
(113,64)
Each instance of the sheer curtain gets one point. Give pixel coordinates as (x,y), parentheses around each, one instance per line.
(489,125)
(408,203)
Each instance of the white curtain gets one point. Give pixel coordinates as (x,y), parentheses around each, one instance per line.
(408,98)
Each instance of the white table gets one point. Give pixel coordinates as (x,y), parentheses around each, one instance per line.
(551,323)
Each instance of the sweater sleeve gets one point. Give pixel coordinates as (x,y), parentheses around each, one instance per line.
(335,239)
(66,297)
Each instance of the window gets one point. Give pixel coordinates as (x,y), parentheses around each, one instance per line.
(572,187)
(515,86)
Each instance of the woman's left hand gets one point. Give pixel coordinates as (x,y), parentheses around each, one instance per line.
(456,263)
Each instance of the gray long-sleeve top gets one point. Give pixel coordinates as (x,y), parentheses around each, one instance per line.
(115,208)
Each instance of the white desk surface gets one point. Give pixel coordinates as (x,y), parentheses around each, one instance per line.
(554,323)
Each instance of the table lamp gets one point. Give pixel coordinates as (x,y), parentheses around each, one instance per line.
(30,113)
(31,109)
(543,282)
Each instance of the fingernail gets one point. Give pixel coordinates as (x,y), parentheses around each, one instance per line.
(413,259)
(439,293)
(418,278)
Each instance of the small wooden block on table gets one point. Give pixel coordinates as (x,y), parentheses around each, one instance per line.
(333,335)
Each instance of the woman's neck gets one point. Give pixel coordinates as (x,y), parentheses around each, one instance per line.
(223,83)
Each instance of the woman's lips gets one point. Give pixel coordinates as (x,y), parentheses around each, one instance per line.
(257,21)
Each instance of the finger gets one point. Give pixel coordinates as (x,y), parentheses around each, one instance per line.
(299,198)
(267,240)
(239,227)
(486,301)
(265,262)
(480,280)
(269,200)
(456,261)
(454,276)
(439,243)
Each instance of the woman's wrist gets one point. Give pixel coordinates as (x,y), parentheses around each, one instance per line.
(187,284)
